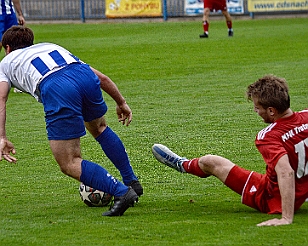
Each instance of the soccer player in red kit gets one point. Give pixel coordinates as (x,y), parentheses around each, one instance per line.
(211,5)
(283,145)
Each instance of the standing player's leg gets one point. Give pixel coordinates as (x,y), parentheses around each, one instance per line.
(114,149)
(68,155)
(205,22)
(93,110)
(228,21)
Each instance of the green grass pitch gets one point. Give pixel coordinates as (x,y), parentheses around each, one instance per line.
(185,92)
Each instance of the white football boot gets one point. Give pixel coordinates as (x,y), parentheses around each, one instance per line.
(167,157)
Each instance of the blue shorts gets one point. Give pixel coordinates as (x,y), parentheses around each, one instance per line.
(7,21)
(71,96)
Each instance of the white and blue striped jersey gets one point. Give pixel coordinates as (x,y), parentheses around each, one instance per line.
(7,7)
(26,68)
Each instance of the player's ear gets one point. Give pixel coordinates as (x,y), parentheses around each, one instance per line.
(7,49)
(272,111)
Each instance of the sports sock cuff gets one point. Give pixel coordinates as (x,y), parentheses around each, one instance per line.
(192,167)
(103,134)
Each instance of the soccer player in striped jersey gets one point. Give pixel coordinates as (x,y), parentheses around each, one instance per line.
(284,147)
(70,92)
(8,17)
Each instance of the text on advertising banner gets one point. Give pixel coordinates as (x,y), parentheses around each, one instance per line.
(133,8)
(274,5)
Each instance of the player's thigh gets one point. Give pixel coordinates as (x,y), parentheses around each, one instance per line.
(65,150)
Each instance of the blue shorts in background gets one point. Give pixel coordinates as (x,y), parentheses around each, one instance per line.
(71,96)
(7,21)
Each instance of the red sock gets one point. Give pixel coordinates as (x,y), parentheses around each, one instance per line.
(229,24)
(192,167)
(206,26)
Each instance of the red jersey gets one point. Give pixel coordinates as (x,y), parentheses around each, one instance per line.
(285,136)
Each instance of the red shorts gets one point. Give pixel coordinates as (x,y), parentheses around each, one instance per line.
(253,187)
(215,4)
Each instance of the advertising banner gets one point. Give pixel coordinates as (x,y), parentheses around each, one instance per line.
(133,8)
(276,5)
(195,7)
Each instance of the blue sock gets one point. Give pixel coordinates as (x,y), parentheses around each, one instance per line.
(114,149)
(98,178)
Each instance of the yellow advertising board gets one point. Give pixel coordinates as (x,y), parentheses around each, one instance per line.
(276,5)
(133,8)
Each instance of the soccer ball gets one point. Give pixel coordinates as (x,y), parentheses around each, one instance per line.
(92,197)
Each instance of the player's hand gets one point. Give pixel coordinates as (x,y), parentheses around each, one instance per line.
(21,20)
(275,222)
(124,114)
(6,149)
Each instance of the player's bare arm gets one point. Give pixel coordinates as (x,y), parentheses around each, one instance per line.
(3,98)
(6,147)
(286,182)
(109,87)
(20,17)
(123,110)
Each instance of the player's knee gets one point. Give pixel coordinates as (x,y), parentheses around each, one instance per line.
(96,127)
(71,166)
(65,169)
(207,163)
(206,12)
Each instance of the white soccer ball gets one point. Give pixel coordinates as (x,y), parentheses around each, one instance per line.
(92,197)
